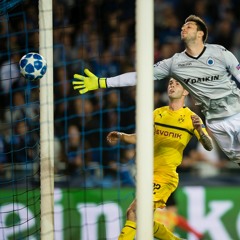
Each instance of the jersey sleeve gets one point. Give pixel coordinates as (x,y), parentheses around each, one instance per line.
(123,80)
(232,64)
(162,69)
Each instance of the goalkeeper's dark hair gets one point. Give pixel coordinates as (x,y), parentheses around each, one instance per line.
(201,25)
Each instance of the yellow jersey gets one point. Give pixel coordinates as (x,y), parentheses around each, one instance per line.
(172,132)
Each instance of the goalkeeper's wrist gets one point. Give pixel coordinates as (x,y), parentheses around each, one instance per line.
(102,83)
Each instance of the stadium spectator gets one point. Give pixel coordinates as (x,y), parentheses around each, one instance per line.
(127,167)
(236,44)
(106,64)
(62,91)
(224,33)
(60,15)
(203,163)
(94,46)
(68,50)
(82,34)
(73,151)
(119,42)
(118,173)
(78,158)
(161,7)
(85,115)
(112,103)
(82,60)
(10,77)
(59,158)
(22,144)
(3,155)
(20,110)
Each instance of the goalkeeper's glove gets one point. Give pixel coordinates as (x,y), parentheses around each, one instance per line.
(91,82)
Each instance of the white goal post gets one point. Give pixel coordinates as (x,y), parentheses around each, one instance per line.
(144,60)
(46,122)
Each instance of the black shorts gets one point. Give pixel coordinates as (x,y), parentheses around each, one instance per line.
(171,200)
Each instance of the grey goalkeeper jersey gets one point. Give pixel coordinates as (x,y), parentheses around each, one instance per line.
(207,77)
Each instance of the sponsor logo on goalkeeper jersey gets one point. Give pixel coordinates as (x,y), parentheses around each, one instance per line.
(168,134)
(200,80)
(185,64)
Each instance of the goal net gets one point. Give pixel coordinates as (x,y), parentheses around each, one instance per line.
(20,129)
(93,182)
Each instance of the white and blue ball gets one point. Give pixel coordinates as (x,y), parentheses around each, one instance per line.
(33,66)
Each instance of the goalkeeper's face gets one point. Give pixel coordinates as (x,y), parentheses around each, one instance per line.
(176,90)
(190,32)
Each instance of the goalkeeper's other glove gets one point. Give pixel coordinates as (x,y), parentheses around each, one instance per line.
(91,82)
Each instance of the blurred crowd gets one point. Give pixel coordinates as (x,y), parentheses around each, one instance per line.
(99,35)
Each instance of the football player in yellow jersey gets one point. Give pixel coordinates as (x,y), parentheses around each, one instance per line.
(174,125)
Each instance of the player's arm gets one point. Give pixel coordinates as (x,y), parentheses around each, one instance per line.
(91,82)
(205,139)
(232,63)
(114,137)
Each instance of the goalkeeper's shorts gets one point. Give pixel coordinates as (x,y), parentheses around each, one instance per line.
(226,132)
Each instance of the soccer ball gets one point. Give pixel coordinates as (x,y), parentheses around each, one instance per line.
(32,66)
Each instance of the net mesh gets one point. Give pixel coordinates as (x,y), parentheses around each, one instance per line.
(6,5)
(19,135)
(88,171)
(94,182)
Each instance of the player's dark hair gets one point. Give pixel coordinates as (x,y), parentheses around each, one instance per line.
(200,24)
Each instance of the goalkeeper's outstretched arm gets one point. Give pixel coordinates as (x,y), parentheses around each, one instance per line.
(91,82)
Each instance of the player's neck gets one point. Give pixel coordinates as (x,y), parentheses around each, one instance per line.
(194,49)
(176,104)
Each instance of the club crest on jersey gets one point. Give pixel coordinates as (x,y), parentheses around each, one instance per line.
(181,119)
(210,61)
(238,67)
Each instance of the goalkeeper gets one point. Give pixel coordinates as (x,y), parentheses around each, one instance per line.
(206,71)
(174,125)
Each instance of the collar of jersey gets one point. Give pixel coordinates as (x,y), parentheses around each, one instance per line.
(198,55)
